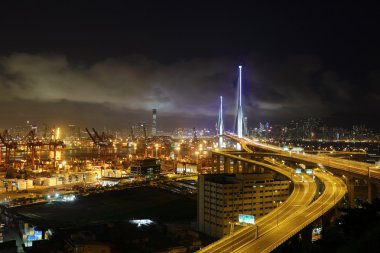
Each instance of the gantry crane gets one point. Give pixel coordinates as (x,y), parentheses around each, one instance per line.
(10,145)
(102,142)
(32,144)
(54,143)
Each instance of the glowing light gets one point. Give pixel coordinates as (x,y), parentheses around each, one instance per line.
(244,218)
(57,133)
(240,109)
(68,198)
(145,222)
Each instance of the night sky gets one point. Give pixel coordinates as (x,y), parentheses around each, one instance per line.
(108,63)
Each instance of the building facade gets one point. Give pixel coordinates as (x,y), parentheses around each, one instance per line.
(148,168)
(222,197)
(154,122)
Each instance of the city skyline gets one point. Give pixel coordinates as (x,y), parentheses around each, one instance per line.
(106,65)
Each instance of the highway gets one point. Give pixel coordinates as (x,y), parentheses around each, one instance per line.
(302,195)
(335,189)
(336,163)
(296,213)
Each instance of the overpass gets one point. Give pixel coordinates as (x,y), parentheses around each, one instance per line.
(361,178)
(288,219)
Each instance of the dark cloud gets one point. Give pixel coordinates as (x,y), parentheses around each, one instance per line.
(111,63)
(114,92)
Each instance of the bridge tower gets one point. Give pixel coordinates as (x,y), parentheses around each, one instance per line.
(238,125)
(220,124)
(239,109)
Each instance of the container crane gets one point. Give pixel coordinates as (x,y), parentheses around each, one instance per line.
(103,142)
(31,146)
(54,144)
(10,145)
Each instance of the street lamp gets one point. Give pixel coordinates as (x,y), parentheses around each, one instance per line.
(334,192)
(369,187)
(278,203)
(197,156)
(261,186)
(273,193)
(322,207)
(178,149)
(369,175)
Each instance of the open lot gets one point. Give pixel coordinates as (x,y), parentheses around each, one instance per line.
(138,203)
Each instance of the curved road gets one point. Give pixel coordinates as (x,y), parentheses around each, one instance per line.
(302,195)
(297,212)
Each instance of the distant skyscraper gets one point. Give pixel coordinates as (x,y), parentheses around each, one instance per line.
(139,130)
(261,128)
(72,132)
(154,122)
(245,126)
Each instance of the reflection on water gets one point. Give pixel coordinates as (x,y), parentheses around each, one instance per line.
(79,153)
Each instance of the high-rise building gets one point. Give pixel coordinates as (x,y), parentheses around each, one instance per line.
(73,132)
(222,197)
(139,130)
(154,122)
(245,126)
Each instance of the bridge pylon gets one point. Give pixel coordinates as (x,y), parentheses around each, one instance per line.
(220,124)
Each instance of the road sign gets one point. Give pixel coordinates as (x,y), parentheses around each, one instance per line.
(245,218)
(309,171)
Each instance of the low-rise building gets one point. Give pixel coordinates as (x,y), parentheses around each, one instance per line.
(16,184)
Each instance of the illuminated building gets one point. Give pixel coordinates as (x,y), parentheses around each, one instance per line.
(245,126)
(139,130)
(148,168)
(154,122)
(73,132)
(222,197)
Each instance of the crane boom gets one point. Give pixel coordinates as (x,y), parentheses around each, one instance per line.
(91,136)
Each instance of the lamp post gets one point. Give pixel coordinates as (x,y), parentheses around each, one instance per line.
(334,192)
(261,186)
(178,149)
(278,204)
(322,207)
(277,213)
(253,191)
(369,187)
